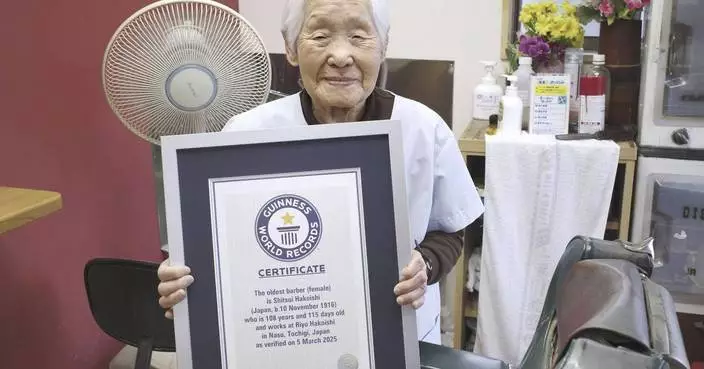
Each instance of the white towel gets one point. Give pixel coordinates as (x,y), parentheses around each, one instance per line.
(539,193)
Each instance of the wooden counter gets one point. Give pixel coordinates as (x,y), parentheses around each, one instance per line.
(19,206)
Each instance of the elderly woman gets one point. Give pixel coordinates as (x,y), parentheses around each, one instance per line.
(339,46)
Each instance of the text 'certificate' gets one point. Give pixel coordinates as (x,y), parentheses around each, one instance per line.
(291,261)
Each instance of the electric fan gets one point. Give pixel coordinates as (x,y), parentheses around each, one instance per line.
(180,67)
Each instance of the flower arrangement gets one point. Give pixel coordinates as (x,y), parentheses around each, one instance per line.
(610,10)
(550,29)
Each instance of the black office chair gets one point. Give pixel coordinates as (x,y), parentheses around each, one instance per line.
(123,299)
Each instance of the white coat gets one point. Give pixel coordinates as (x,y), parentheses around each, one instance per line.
(440,192)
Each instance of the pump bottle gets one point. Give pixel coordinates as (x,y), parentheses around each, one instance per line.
(487,95)
(511,109)
(524,73)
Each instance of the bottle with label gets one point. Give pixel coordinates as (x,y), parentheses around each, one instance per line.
(487,95)
(511,118)
(524,73)
(594,86)
(573,68)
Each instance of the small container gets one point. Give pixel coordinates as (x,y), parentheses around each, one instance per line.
(594,87)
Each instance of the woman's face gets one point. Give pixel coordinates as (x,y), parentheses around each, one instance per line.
(339,52)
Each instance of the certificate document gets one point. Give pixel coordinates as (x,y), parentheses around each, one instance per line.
(295,238)
(291,269)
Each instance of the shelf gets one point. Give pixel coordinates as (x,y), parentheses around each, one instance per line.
(470,307)
(472,143)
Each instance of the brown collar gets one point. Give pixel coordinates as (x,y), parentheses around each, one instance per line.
(379,106)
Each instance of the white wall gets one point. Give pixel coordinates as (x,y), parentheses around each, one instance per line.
(465,31)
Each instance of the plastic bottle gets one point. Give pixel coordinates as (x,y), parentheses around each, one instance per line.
(524,73)
(594,86)
(487,95)
(511,109)
(573,68)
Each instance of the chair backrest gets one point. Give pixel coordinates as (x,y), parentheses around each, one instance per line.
(123,299)
(602,310)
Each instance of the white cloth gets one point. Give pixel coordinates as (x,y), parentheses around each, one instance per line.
(540,193)
(440,193)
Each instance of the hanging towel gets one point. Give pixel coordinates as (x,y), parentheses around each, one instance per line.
(539,193)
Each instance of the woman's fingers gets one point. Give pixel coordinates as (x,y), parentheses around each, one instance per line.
(418,281)
(171,286)
(170,272)
(168,302)
(411,295)
(418,302)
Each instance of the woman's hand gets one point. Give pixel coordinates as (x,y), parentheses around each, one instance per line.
(172,288)
(414,278)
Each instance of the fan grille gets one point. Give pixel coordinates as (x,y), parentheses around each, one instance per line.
(179,67)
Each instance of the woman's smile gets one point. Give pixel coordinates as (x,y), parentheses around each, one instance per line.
(340,81)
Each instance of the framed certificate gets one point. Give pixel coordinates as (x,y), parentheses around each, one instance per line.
(295,238)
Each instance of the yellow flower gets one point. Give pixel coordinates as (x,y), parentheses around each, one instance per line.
(553,21)
(525,17)
(569,9)
(528,13)
(553,7)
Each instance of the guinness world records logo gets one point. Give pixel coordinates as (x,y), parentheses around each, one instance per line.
(288,228)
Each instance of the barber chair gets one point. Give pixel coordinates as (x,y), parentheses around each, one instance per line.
(601,312)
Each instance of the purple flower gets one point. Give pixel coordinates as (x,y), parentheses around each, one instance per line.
(535,47)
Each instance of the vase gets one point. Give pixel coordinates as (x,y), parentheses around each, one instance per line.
(620,43)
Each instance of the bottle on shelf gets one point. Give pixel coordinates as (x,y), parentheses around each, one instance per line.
(524,73)
(594,86)
(487,95)
(573,68)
